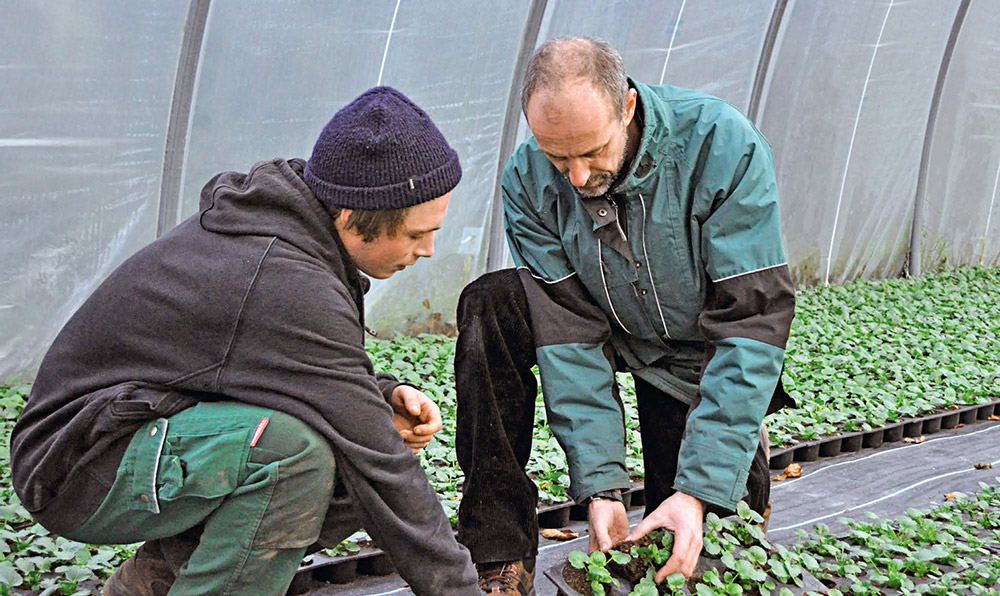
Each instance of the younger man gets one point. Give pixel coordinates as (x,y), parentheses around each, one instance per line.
(213,396)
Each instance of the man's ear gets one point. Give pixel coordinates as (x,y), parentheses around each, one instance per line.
(630,105)
(342,217)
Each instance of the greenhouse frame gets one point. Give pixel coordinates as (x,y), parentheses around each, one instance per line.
(884,118)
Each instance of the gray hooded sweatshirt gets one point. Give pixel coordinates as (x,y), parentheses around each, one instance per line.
(253,299)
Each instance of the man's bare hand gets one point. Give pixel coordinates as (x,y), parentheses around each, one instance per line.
(608,524)
(684,515)
(415,416)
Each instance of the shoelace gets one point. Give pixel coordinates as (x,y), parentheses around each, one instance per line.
(507,576)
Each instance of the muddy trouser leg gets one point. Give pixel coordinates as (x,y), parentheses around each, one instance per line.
(260,506)
(496,393)
(662,420)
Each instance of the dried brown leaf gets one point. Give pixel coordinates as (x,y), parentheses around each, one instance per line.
(916,440)
(952,496)
(793,470)
(555,534)
(985,466)
(779,478)
(993,417)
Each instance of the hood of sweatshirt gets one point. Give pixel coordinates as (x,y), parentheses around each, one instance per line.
(272,199)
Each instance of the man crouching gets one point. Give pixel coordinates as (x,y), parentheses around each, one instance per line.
(213,396)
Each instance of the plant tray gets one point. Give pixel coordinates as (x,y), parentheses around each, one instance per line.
(555,575)
(834,445)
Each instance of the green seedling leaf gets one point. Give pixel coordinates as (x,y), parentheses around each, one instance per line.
(757,554)
(746,570)
(675,581)
(645,587)
(578,559)
(77,574)
(9,576)
(619,557)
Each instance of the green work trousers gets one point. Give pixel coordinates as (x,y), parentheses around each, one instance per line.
(260,482)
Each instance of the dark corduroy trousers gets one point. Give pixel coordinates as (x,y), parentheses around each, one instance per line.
(496,393)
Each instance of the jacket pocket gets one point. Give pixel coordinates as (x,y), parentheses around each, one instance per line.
(140,402)
(123,408)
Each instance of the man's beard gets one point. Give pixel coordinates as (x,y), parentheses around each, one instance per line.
(608,179)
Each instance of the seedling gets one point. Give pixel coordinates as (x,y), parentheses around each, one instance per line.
(596,568)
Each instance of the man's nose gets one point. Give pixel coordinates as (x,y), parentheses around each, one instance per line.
(579,172)
(425,248)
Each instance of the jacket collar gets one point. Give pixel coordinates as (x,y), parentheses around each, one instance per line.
(657,123)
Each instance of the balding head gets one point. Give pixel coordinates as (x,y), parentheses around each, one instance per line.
(567,61)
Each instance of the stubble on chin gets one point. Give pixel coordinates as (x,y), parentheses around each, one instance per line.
(590,193)
(608,179)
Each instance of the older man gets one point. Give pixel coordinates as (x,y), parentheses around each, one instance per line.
(213,396)
(644,223)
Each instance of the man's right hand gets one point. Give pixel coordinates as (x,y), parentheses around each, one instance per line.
(608,524)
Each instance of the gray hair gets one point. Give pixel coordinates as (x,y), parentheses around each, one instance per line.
(563,59)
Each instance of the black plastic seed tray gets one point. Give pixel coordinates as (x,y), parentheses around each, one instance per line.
(555,575)
(372,561)
(831,446)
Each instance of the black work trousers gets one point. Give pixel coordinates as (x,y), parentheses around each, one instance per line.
(496,393)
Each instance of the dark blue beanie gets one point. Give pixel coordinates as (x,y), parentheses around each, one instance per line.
(381,151)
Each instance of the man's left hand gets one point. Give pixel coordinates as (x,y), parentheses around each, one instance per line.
(684,515)
(415,416)
(608,524)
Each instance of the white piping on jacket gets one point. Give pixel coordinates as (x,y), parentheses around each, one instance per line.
(542,279)
(649,269)
(749,272)
(604,282)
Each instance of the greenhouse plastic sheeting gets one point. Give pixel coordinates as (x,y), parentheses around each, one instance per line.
(91,120)
(709,45)
(962,206)
(846,109)
(86,90)
(274,73)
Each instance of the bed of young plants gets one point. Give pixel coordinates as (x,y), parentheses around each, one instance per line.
(949,550)
(872,352)
(860,355)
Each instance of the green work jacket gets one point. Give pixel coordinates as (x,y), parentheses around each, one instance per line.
(677,274)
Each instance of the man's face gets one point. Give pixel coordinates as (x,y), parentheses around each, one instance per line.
(385,255)
(575,128)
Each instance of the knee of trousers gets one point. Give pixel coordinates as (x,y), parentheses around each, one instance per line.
(493,292)
(305,470)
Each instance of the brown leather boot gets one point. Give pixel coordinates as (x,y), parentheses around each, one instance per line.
(515,578)
(767,518)
(151,571)
(146,573)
